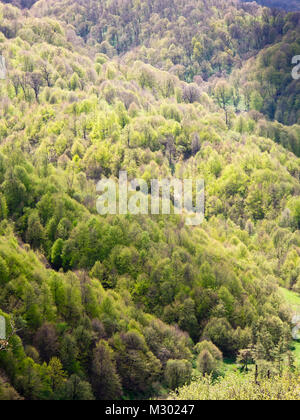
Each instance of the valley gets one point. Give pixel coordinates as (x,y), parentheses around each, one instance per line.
(136,306)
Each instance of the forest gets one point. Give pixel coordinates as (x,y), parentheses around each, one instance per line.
(288,5)
(145,307)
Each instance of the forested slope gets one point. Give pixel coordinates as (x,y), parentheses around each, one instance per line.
(196,40)
(111,307)
(186,38)
(267,77)
(289,5)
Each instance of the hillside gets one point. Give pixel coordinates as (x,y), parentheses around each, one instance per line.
(204,39)
(110,307)
(289,5)
(188,39)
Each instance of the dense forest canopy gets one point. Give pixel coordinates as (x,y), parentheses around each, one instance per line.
(110,307)
(289,5)
(196,41)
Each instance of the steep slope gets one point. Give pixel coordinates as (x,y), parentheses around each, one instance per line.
(194,38)
(267,79)
(23,4)
(113,303)
(197,41)
(289,5)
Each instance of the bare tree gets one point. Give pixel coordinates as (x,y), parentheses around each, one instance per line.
(36,82)
(24,83)
(46,73)
(223,95)
(16,81)
(191,93)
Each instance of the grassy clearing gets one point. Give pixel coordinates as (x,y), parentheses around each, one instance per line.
(231,366)
(292,298)
(296,350)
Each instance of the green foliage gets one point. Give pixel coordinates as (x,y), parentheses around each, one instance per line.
(209,357)
(235,387)
(106,382)
(178,373)
(266,81)
(111,307)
